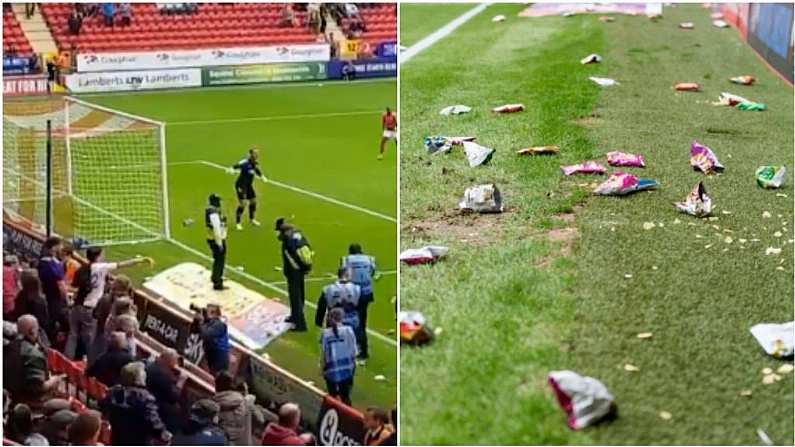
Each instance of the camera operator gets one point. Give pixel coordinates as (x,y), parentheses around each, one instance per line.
(215,336)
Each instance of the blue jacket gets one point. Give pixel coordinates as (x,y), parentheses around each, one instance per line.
(200,433)
(215,337)
(339,353)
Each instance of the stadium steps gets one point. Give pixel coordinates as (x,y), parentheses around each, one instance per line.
(35,29)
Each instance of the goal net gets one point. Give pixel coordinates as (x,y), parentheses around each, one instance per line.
(108,170)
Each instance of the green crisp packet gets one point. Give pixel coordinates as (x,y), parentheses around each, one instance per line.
(752,106)
(770,177)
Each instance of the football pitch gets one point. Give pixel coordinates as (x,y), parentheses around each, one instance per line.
(318,145)
(566,280)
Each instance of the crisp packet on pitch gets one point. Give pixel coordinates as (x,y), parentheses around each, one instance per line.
(476,154)
(539,150)
(603,82)
(752,106)
(616,158)
(509,108)
(414,328)
(589,167)
(591,59)
(482,199)
(697,203)
(424,255)
(728,99)
(585,400)
(778,340)
(703,159)
(743,80)
(621,184)
(441,144)
(457,109)
(770,177)
(687,87)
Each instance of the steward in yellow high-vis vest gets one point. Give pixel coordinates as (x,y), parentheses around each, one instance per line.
(297,257)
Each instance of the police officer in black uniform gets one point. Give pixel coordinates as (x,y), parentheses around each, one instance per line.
(297,262)
(215,223)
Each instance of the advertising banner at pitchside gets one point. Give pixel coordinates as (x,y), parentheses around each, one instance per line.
(155,60)
(133,80)
(250,74)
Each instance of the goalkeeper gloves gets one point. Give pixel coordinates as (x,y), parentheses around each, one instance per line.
(264,179)
(230,171)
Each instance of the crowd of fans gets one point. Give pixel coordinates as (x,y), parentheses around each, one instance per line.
(55,302)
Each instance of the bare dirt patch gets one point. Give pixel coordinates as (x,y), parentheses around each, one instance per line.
(589,121)
(469,228)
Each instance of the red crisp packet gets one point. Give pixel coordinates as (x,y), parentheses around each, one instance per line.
(509,108)
(414,329)
(616,158)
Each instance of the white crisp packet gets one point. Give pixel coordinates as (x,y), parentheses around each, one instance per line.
(591,59)
(499,18)
(585,399)
(603,82)
(482,199)
(424,255)
(778,340)
(455,110)
(476,154)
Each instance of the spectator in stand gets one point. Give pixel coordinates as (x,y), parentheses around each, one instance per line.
(334,46)
(75,21)
(52,274)
(10,285)
(26,371)
(90,283)
(215,337)
(120,287)
(108,11)
(20,428)
(132,411)
(338,356)
(125,12)
(58,416)
(85,429)
(202,428)
(392,438)
(127,324)
(313,17)
(165,383)
(30,300)
(285,432)
(288,15)
(107,368)
(376,421)
(237,410)
(70,264)
(351,10)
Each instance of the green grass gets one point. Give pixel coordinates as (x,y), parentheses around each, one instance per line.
(333,154)
(700,302)
(503,317)
(512,309)
(418,20)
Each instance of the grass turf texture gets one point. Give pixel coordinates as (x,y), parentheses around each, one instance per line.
(333,153)
(512,309)
(418,19)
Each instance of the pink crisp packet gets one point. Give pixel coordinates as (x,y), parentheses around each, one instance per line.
(589,167)
(697,203)
(616,158)
(703,159)
(621,183)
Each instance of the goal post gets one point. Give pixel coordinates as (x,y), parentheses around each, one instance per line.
(108,173)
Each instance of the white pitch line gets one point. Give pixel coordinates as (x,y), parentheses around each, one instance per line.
(272,118)
(440,34)
(312,194)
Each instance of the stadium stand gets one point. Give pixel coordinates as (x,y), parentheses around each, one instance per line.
(212,25)
(14,41)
